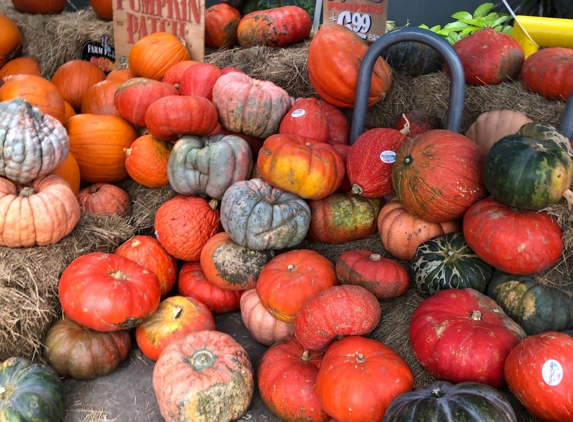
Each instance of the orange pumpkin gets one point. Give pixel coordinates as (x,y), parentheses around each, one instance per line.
(70,172)
(103,9)
(44,7)
(74,78)
(98,143)
(104,199)
(293,164)
(69,111)
(184,224)
(154,54)
(333,72)
(401,232)
(10,40)
(21,65)
(99,99)
(120,74)
(221,22)
(146,161)
(36,90)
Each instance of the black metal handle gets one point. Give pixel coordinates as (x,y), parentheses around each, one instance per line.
(567,119)
(425,36)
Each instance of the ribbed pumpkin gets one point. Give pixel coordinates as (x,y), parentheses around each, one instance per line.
(70,172)
(121,75)
(36,90)
(250,106)
(184,224)
(154,54)
(99,99)
(276,27)
(97,143)
(81,353)
(199,80)
(340,218)
(370,161)
(74,78)
(258,216)
(104,199)
(48,196)
(221,22)
(44,7)
(208,165)
(21,65)
(401,232)
(146,161)
(437,175)
(291,163)
(10,40)
(32,143)
(174,73)
(333,72)
(383,277)
(133,97)
(103,9)
(512,240)
(547,72)
(232,266)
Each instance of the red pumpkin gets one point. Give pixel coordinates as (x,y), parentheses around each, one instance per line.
(175,72)
(414,122)
(342,149)
(286,378)
(513,240)
(45,7)
(462,335)
(221,22)
(345,310)
(174,318)
(548,72)
(437,175)
(193,283)
(370,160)
(359,377)
(383,277)
(107,292)
(104,199)
(290,279)
(291,163)
(148,252)
(183,225)
(538,371)
(199,80)
(133,97)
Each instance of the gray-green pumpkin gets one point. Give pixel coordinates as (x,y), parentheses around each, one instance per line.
(257,216)
(447,262)
(208,165)
(537,307)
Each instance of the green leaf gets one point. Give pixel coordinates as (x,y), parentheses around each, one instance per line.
(468,31)
(462,15)
(456,25)
(473,22)
(483,9)
(498,21)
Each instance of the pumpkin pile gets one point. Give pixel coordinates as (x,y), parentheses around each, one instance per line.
(255,172)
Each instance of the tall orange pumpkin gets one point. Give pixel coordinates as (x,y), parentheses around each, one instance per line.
(334,58)
(43,7)
(97,143)
(154,54)
(74,78)
(38,91)
(10,40)
(19,66)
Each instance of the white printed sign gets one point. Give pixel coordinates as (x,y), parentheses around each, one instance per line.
(367,18)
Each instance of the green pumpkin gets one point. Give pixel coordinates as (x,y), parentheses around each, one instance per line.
(447,262)
(548,132)
(535,306)
(30,392)
(446,402)
(413,58)
(530,170)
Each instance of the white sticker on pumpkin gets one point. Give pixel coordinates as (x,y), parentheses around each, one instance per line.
(388,157)
(552,372)
(298,112)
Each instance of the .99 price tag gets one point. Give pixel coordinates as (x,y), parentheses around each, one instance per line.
(356,22)
(366,18)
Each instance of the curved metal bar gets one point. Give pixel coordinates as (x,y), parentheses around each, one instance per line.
(457,84)
(567,119)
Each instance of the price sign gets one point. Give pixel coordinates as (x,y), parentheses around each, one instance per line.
(366,18)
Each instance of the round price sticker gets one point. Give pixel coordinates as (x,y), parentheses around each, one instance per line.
(388,157)
(552,372)
(298,112)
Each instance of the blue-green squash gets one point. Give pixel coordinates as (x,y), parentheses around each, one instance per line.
(447,262)
(413,58)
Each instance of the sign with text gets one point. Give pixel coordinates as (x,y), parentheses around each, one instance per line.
(367,18)
(134,19)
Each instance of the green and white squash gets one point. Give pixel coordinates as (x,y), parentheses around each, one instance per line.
(30,392)
(537,307)
(530,170)
(32,143)
(447,262)
(446,402)
(207,166)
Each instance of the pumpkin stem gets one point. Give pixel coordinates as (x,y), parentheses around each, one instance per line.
(118,275)
(26,192)
(375,257)
(290,267)
(269,199)
(437,393)
(306,356)
(4,393)
(213,203)
(94,188)
(201,359)
(177,313)
(357,190)
(568,195)
(135,242)
(476,315)
(360,358)
(406,129)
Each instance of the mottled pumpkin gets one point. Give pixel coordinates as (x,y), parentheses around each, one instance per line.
(221,22)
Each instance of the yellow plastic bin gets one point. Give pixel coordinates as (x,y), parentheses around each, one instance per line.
(545,32)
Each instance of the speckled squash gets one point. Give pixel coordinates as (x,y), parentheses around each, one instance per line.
(232,266)
(32,143)
(257,216)
(205,376)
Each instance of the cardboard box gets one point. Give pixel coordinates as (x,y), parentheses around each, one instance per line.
(367,18)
